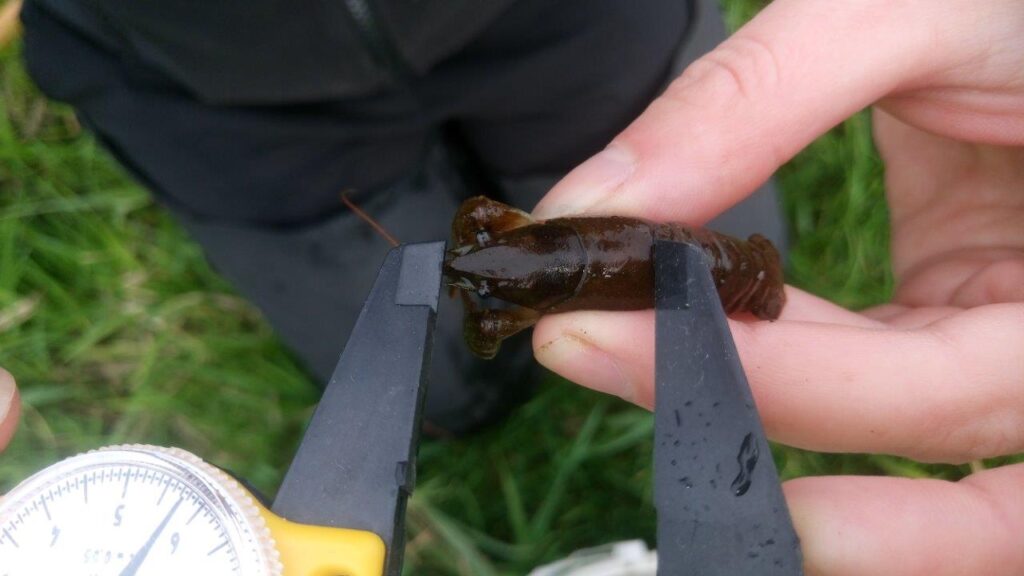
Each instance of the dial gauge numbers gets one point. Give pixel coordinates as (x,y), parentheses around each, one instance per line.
(132,511)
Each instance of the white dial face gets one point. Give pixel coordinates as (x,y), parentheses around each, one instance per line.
(132,510)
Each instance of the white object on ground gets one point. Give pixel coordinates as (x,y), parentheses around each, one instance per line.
(631,558)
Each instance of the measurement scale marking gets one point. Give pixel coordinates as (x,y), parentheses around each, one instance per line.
(167,485)
(85,488)
(196,513)
(45,508)
(15,542)
(219,546)
(127,477)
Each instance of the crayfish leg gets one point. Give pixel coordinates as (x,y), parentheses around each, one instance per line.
(485,329)
(479,219)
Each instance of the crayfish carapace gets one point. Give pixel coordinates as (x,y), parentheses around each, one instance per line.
(596,263)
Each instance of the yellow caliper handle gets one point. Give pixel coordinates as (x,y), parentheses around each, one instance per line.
(325,551)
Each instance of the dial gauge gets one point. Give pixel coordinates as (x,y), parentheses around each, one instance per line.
(133,510)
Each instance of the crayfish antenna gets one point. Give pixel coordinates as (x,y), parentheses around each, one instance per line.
(368,219)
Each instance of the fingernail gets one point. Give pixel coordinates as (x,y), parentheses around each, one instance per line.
(589,184)
(580,361)
(7,390)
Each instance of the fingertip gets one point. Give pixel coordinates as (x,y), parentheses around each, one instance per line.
(10,408)
(547,329)
(861,526)
(573,356)
(576,346)
(590,184)
(815,515)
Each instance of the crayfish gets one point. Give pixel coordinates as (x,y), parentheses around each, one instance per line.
(587,263)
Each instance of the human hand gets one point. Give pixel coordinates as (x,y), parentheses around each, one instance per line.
(9,408)
(938,374)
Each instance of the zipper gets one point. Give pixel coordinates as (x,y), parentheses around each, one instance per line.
(380,45)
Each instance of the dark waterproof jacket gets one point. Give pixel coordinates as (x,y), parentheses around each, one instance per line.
(274,51)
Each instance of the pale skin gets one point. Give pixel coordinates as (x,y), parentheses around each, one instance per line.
(10,407)
(937,374)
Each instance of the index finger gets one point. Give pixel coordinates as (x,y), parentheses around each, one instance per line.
(826,380)
(739,112)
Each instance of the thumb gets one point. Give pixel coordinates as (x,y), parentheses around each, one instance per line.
(735,115)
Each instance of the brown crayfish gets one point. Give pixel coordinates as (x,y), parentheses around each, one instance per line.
(581,263)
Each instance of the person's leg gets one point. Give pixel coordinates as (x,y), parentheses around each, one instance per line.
(274,166)
(260,188)
(550,83)
(311,281)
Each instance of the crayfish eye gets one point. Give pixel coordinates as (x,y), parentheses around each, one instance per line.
(482,237)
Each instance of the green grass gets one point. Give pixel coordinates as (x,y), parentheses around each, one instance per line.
(118,331)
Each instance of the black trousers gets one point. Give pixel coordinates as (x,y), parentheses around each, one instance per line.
(540,90)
